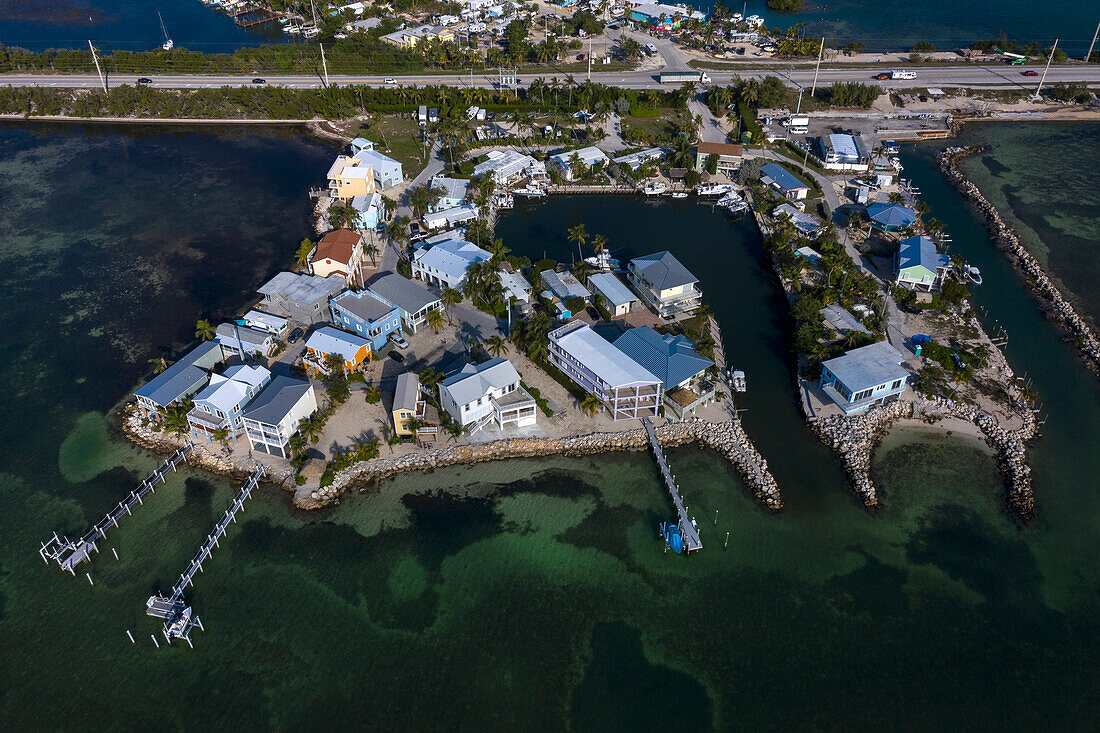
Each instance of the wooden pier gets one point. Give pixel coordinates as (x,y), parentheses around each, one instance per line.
(179,617)
(69,554)
(688,533)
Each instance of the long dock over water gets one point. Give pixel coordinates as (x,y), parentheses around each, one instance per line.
(688,533)
(179,617)
(69,554)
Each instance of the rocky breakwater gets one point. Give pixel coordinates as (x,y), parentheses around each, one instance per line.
(1055,304)
(726,438)
(854,437)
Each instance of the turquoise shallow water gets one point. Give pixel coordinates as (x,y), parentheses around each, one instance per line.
(526,594)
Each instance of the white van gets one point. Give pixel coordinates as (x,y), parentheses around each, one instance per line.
(798,125)
(903,74)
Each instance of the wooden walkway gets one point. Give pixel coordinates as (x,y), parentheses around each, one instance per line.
(688,532)
(69,554)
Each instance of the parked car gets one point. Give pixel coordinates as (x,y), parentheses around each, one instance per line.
(295,335)
(1030,72)
(145,80)
(906,308)
(397,356)
(398,340)
(258,80)
(959,363)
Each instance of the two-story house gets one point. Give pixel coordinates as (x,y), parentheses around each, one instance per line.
(340,252)
(445,264)
(327,341)
(865,376)
(918,266)
(665,285)
(180,380)
(301,298)
(412,300)
(242,341)
(275,414)
(487,393)
(366,315)
(350,176)
(220,404)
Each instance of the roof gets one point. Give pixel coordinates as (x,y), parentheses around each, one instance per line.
(673,359)
(782,177)
(408,391)
(656,10)
(808,253)
(301,288)
(452,257)
(803,222)
(267,319)
(402,293)
(453,188)
(633,160)
(600,356)
(663,271)
(841,319)
(719,149)
(564,285)
(612,288)
(338,245)
(473,382)
(892,215)
(846,147)
(366,203)
(182,376)
(277,400)
(231,333)
(920,252)
(377,160)
(364,305)
(331,340)
(868,366)
(589,156)
(515,284)
(504,164)
(227,391)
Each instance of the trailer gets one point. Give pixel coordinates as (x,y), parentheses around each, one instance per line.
(684,77)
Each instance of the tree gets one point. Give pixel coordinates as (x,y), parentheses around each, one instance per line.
(222,436)
(424,198)
(371,250)
(159,364)
(373,394)
(579,235)
(435,320)
(175,418)
(599,243)
(896,198)
(203,330)
(582,270)
(310,429)
(454,430)
(591,405)
(301,257)
(450,298)
(430,377)
(496,345)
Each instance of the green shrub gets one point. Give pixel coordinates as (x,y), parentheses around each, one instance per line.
(299,479)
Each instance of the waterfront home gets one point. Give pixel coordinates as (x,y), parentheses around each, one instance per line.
(633,161)
(446,262)
(617,297)
(918,266)
(340,252)
(863,377)
(454,192)
(840,319)
(366,315)
(301,298)
(242,341)
(183,378)
(387,171)
(664,18)
(406,403)
(674,360)
(218,406)
(626,389)
(348,177)
(890,217)
(515,286)
(810,255)
(478,395)
(562,286)
(360,144)
(370,210)
(328,341)
(585,159)
(507,167)
(275,325)
(778,178)
(411,37)
(841,153)
(275,414)
(806,224)
(665,285)
(413,301)
(448,218)
(729,157)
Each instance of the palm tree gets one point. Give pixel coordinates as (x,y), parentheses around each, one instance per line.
(591,405)
(435,320)
(454,430)
(429,377)
(203,330)
(222,436)
(896,198)
(579,235)
(159,364)
(310,429)
(175,418)
(582,270)
(301,257)
(496,345)
(372,251)
(296,444)
(450,298)
(373,394)
(599,243)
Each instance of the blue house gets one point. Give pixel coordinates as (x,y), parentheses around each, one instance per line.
(863,377)
(786,183)
(180,380)
(890,217)
(366,315)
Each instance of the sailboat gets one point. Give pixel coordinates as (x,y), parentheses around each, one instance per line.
(168,43)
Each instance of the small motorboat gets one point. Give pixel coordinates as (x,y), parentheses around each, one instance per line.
(973,274)
(678,195)
(529,192)
(670,533)
(178,626)
(715,189)
(603,261)
(737,377)
(654,188)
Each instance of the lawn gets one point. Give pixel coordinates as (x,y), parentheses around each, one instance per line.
(398,137)
(656,128)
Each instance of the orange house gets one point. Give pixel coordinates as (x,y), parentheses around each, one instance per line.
(327,341)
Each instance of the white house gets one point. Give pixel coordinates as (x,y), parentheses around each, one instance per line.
(445,264)
(865,376)
(237,340)
(634,160)
(454,192)
(515,286)
(665,285)
(275,325)
(842,153)
(219,404)
(617,297)
(448,218)
(509,166)
(487,393)
(275,414)
(586,157)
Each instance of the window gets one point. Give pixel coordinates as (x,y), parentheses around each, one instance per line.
(358,328)
(862,395)
(896,384)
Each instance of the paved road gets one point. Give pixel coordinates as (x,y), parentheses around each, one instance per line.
(984,76)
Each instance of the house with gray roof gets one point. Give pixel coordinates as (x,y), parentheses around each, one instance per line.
(365,314)
(918,266)
(275,414)
(446,262)
(412,300)
(665,285)
(387,171)
(301,298)
(563,286)
(219,404)
(242,341)
(674,360)
(487,393)
(179,381)
(865,376)
(453,191)
(618,298)
(626,389)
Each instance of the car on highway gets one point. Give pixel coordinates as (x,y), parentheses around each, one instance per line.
(145,80)
(390,80)
(882,77)
(258,80)
(1030,72)
(295,335)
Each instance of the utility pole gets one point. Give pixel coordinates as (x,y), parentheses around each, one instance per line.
(590,58)
(1046,68)
(324,64)
(1094,36)
(99,71)
(820,53)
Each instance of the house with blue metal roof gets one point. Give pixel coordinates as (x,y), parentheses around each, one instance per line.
(219,404)
(865,376)
(180,380)
(366,315)
(778,178)
(242,341)
(890,217)
(918,266)
(617,297)
(672,358)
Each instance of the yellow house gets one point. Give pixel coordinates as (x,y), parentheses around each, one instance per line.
(350,177)
(328,340)
(405,401)
(409,37)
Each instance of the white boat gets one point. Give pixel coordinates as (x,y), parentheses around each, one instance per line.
(973,274)
(654,188)
(603,261)
(678,195)
(737,378)
(293,29)
(529,192)
(168,44)
(715,189)
(617,10)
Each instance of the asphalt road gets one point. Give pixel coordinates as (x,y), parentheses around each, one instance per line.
(953,76)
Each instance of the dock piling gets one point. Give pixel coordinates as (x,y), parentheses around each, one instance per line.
(131,636)
(154,638)
(89,577)
(115,552)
